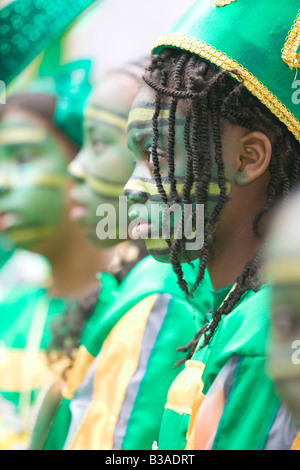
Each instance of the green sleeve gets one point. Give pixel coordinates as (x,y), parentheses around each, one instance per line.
(59,427)
(250,409)
(158,373)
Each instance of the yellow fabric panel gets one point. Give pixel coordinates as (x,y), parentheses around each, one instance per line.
(186,386)
(11,371)
(116,364)
(185,396)
(296,443)
(75,375)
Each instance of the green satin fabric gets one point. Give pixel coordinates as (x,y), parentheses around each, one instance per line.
(253,33)
(29,26)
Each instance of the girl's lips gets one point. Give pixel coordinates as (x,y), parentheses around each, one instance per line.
(141,230)
(78,212)
(8,220)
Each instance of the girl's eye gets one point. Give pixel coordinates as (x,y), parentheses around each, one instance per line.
(98,145)
(24,156)
(286,320)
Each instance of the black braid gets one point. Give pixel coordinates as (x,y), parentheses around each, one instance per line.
(212,98)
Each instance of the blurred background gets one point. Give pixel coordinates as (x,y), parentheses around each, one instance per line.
(112,33)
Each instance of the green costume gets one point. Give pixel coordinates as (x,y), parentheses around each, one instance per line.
(229,394)
(118,404)
(27,311)
(26,315)
(223,399)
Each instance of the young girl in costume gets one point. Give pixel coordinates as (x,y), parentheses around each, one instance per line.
(214,124)
(282,270)
(40,133)
(114,394)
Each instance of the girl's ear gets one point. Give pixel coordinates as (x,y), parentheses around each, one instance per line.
(255,150)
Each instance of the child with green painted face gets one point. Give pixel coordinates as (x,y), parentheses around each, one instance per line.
(40,132)
(210,126)
(104,163)
(114,394)
(282,269)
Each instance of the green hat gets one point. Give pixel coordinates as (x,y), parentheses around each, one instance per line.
(70,85)
(259,38)
(27,27)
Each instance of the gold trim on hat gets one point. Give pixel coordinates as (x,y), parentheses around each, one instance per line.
(222,3)
(220,59)
(289,52)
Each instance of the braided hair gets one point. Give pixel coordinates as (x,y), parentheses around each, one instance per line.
(213,98)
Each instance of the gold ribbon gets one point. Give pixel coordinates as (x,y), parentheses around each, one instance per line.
(289,52)
(222,3)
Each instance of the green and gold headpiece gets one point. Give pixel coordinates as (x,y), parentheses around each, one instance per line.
(70,85)
(259,38)
(27,27)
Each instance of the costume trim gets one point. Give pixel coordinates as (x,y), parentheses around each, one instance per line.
(222,3)
(289,52)
(252,83)
(296,443)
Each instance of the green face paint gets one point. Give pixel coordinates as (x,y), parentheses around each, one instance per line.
(142,186)
(104,164)
(282,272)
(32,180)
(284,359)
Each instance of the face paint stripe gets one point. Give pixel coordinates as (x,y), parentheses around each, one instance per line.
(147,126)
(106,117)
(50,181)
(46,181)
(151,189)
(20,135)
(144,114)
(163,179)
(159,245)
(102,122)
(148,105)
(106,110)
(104,188)
(30,234)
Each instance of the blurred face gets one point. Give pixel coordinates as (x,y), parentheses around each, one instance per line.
(141,187)
(32,180)
(104,164)
(283,271)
